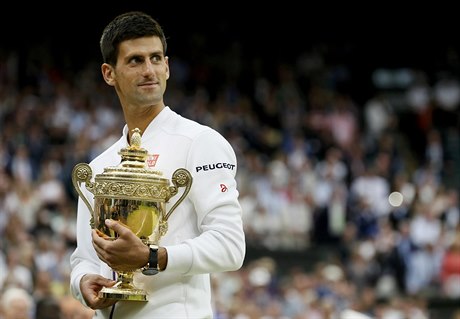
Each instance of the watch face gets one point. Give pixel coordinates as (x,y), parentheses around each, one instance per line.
(150,271)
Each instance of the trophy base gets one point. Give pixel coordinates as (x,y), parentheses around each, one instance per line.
(130,294)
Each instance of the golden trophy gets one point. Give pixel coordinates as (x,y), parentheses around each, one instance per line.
(134,195)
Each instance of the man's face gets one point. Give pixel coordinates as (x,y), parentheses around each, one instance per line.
(140,74)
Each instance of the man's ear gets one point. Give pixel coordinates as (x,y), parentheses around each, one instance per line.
(167,67)
(107,73)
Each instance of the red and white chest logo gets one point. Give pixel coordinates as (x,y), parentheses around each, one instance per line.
(152,160)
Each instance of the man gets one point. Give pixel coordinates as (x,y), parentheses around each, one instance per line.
(205,232)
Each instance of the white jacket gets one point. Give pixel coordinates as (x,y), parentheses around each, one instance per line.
(205,232)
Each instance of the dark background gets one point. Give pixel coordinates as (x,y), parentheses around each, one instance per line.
(362,38)
(384,34)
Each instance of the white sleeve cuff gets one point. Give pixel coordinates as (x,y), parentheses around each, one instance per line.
(180,258)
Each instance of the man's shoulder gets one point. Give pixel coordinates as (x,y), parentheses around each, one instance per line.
(181,125)
(192,130)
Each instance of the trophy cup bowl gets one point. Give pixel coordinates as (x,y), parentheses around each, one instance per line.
(134,195)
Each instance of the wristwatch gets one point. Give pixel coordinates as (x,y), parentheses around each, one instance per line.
(152,266)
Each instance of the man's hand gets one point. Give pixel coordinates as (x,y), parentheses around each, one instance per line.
(90,286)
(125,253)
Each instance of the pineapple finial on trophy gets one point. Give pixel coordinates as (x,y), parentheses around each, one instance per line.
(136,138)
(134,155)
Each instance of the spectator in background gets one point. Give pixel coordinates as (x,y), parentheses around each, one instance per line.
(450,269)
(48,308)
(16,303)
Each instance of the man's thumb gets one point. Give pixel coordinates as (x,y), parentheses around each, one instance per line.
(116,225)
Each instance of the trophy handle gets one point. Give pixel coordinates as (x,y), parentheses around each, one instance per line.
(82,173)
(180,178)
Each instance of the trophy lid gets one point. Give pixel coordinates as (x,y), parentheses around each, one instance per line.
(132,176)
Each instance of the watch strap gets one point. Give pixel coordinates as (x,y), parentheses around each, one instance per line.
(152,266)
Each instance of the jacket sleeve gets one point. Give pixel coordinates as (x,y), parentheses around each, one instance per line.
(221,244)
(84,259)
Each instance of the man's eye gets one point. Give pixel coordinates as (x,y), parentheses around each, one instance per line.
(156,58)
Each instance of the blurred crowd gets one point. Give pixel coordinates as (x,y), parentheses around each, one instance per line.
(371,180)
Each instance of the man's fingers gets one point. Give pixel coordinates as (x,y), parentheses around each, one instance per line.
(90,286)
(105,282)
(101,234)
(96,282)
(117,226)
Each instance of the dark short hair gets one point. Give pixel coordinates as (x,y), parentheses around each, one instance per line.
(128,26)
